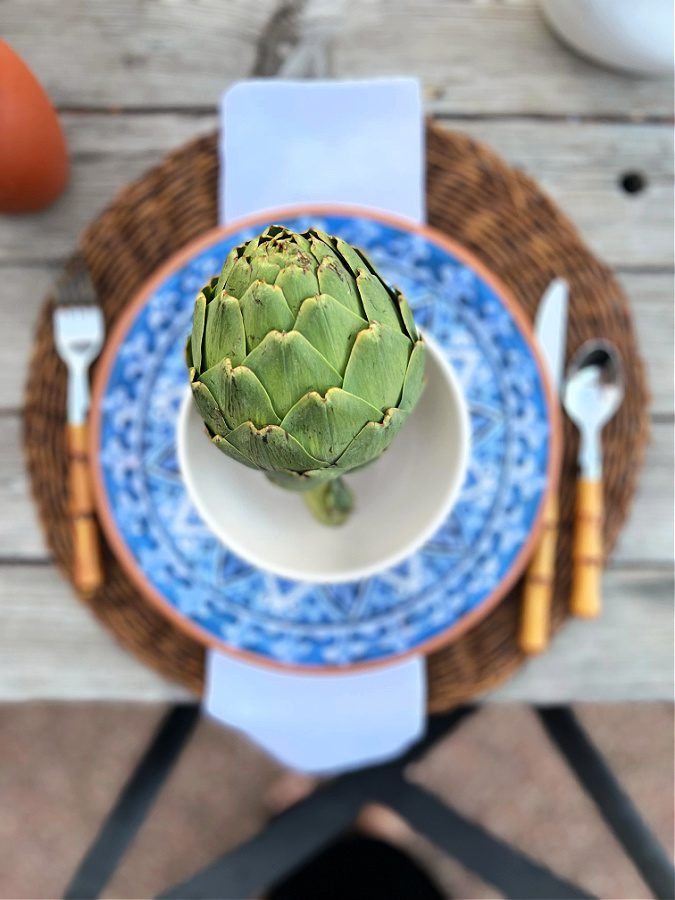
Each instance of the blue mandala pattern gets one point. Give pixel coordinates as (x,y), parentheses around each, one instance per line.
(399,609)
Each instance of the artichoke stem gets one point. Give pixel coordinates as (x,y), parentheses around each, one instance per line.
(330,502)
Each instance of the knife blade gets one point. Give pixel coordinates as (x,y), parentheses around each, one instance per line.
(550,327)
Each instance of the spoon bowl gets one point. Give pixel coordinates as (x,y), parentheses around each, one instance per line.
(594,386)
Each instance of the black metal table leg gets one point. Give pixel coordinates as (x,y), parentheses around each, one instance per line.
(512,872)
(614,805)
(133,804)
(303,829)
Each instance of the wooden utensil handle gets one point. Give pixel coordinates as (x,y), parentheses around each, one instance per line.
(587,550)
(87,570)
(536,605)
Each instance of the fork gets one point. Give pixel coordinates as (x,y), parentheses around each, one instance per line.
(78,335)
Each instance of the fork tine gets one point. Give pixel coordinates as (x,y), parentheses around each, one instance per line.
(78,318)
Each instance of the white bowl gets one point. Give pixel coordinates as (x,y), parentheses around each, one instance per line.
(625,34)
(400,500)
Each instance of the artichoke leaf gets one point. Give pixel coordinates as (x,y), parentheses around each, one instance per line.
(238,278)
(264,268)
(288,367)
(335,277)
(224,334)
(251,246)
(377,366)
(406,315)
(349,254)
(297,283)
(372,440)
(414,377)
(228,265)
(272,448)
(325,426)
(330,327)
(264,309)
(324,238)
(337,281)
(287,253)
(377,301)
(302,241)
(209,290)
(240,395)
(275,231)
(198,321)
(208,408)
(225,447)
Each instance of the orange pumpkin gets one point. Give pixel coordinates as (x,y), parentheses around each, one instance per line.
(33,154)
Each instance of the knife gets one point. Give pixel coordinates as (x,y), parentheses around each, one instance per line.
(550,327)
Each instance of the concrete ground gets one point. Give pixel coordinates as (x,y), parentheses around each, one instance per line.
(61,766)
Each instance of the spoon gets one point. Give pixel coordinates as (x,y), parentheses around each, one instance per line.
(593,392)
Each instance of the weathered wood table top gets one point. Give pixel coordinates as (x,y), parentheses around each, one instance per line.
(136,78)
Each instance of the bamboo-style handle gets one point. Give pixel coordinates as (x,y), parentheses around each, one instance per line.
(587,550)
(87,571)
(536,606)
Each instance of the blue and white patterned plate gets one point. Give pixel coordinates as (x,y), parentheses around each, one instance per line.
(453,580)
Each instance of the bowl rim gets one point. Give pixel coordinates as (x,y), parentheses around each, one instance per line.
(451,493)
(102,374)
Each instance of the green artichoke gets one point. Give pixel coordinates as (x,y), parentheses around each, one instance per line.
(303,362)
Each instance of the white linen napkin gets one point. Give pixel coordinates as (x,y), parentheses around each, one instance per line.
(349,142)
(285,143)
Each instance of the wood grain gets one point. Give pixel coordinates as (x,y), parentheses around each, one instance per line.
(51,647)
(136,54)
(647,538)
(478,57)
(651,300)
(487,57)
(626,654)
(580,165)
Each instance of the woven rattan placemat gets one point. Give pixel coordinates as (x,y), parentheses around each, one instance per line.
(473,196)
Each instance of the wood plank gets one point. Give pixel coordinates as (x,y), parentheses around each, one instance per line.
(649,534)
(488,57)
(171,54)
(578,164)
(581,164)
(52,648)
(158,53)
(627,654)
(20,531)
(647,538)
(22,292)
(651,300)
(24,287)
